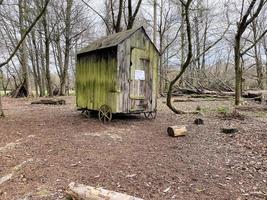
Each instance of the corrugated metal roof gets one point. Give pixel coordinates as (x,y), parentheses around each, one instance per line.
(109,41)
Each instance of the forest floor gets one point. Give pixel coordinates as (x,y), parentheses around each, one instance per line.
(44,148)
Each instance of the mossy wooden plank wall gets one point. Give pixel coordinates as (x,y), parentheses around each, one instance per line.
(96,79)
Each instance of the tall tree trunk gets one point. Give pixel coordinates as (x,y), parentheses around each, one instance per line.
(63,81)
(37,60)
(181,81)
(188,58)
(132,15)
(266,70)
(155,22)
(23,48)
(265,51)
(161,35)
(241,28)
(238,70)
(33,62)
(41,70)
(259,68)
(257,57)
(1,108)
(197,41)
(204,43)
(47,55)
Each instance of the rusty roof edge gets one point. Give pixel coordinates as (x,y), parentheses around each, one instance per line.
(132,31)
(87,50)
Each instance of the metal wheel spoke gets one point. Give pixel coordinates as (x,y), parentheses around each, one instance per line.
(150,115)
(105,113)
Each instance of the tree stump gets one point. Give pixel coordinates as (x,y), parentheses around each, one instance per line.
(177,131)
(199,121)
(229,130)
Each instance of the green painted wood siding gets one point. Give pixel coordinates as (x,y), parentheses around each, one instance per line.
(96,79)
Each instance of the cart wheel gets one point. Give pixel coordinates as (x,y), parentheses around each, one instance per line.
(105,113)
(86,113)
(150,115)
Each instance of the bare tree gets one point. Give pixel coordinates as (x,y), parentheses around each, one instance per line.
(118,13)
(155,22)
(23,49)
(26,32)
(185,65)
(2,114)
(245,20)
(167,36)
(132,14)
(258,61)
(63,80)
(265,52)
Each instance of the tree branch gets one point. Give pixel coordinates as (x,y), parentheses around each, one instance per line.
(25,35)
(186,63)
(104,20)
(255,42)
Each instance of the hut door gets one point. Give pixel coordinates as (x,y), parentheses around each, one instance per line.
(139,80)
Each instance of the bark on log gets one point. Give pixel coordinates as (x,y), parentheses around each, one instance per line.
(252,94)
(229,130)
(199,121)
(83,192)
(50,102)
(176,131)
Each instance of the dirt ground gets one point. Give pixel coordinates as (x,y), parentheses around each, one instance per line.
(44,148)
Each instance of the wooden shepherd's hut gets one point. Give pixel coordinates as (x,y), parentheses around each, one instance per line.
(118,74)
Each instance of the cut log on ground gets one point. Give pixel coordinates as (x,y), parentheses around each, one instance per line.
(229,130)
(82,192)
(50,102)
(199,121)
(176,131)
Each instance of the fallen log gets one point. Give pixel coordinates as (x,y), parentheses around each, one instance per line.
(252,108)
(199,121)
(177,131)
(50,102)
(252,94)
(82,192)
(183,100)
(210,96)
(229,130)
